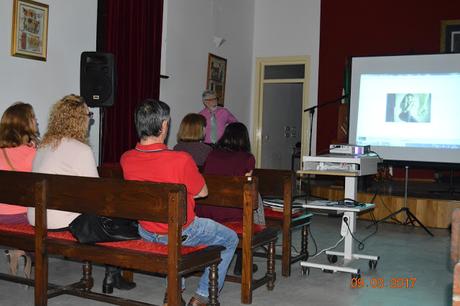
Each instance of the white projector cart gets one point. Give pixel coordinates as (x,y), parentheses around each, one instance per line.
(354,166)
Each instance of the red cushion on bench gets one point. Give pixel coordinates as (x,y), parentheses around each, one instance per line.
(274,214)
(237,226)
(150,247)
(135,245)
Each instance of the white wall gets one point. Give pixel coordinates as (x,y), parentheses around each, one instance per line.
(251,28)
(289,28)
(189,28)
(71,30)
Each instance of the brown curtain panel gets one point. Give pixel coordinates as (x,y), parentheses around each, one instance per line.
(131,30)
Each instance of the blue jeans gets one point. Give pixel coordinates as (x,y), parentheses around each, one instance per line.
(208,232)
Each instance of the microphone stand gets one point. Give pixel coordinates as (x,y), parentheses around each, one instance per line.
(312,109)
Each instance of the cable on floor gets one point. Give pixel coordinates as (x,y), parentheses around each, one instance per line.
(328,249)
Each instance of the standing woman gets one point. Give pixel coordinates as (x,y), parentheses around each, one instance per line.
(190,138)
(18,140)
(65,150)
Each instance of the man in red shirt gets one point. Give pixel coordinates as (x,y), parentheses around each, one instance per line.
(151,160)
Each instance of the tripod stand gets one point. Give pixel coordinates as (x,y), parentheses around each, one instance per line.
(410,217)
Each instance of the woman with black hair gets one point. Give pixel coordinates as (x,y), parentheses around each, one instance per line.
(232,157)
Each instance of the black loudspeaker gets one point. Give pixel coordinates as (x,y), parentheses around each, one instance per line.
(97,79)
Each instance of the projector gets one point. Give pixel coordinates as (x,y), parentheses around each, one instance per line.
(349,149)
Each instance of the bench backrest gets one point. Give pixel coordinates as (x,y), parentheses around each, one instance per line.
(101,196)
(274,182)
(230,191)
(226,191)
(19,188)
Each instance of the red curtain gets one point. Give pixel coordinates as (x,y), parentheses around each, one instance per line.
(132,32)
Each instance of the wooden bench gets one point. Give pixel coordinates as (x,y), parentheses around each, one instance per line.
(242,192)
(455,256)
(108,197)
(281,184)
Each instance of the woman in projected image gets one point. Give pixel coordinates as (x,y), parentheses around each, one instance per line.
(407,105)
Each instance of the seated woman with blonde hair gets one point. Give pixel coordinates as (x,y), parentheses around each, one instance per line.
(190,138)
(18,140)
(65,150)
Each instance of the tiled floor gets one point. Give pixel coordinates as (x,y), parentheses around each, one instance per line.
(405,253)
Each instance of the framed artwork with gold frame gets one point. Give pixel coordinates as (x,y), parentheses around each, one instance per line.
(29,38)
(217,69)
(450,36)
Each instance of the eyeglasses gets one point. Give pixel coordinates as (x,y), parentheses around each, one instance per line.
(90,115)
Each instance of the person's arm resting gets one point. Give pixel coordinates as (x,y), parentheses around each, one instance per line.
(203,192)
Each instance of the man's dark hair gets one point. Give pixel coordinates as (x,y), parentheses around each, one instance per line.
(235,138)
(149,116)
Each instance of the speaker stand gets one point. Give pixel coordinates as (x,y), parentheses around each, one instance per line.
(410,217)
(101,126)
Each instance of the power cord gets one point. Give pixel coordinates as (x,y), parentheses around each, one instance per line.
(376,154)
(330,248)
(360,243)
(349,202)
(376,228)
(314,241)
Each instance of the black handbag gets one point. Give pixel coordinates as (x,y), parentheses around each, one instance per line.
(88,228)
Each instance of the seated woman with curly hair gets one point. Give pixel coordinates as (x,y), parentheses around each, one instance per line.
(65,150)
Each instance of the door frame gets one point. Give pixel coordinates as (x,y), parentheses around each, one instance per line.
(261,62)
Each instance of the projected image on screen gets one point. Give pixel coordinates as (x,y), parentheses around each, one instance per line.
(408,107)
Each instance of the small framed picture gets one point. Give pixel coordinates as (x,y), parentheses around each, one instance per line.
(450,36)
(217,69)
(30,29)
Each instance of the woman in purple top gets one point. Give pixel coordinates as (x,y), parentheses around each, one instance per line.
(190,138)
(232,156)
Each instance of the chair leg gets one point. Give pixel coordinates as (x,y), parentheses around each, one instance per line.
(128,275)
(286,253)
(41,279)
(247,277)
(213,286)
(271,275)
(87,279)
(304,245)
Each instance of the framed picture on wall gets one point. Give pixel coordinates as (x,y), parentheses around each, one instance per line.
(217,69)
(30,29)
(450,36)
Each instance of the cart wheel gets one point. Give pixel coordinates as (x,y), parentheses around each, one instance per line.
(305,271)
(373,264)
(332,258)
(355,275)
